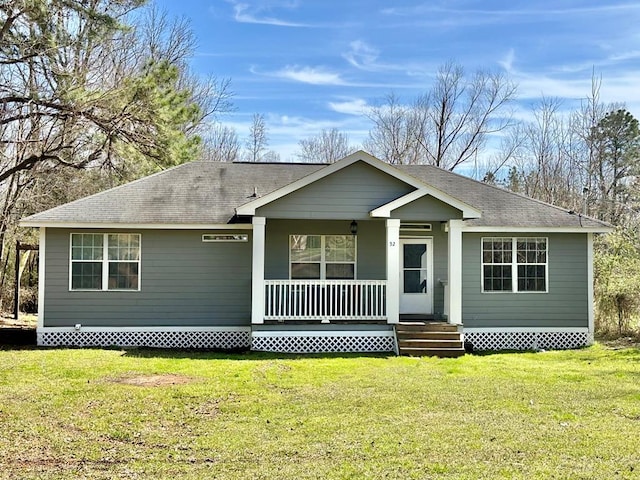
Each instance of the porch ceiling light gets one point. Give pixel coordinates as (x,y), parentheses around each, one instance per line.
(353,227)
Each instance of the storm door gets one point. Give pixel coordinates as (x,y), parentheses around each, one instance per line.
(416,276)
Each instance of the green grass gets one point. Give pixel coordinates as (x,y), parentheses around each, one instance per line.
(72,414)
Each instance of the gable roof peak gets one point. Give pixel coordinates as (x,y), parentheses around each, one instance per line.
(358,156)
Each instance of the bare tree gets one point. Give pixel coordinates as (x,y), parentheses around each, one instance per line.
(258,140)
(543,166)
(586,160)
(327,147)
(448,125)
(396,130)
(461,113)
(271,156)
(222,144)
(583,121)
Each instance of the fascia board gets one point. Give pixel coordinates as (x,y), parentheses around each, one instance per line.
(142,226)
(384,211)
(507,229)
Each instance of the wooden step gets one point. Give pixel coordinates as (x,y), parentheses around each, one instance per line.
(427,338)
(428,335)
(425,327)
(422,343)
(432,352)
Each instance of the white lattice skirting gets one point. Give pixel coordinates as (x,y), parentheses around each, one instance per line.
(528,340)
(287,343)
(219,339)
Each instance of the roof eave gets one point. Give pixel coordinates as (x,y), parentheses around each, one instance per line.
(534,229)
(141,226)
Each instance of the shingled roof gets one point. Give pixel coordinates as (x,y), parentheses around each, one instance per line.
(192,193)
(207,193)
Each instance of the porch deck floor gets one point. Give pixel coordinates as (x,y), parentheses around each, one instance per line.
(325,322)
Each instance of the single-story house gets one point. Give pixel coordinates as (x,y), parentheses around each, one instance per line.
(313,258)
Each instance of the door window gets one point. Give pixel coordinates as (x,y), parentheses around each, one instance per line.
(415,267)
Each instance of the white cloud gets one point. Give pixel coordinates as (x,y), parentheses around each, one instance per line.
(366,57)
(244,14)
(361,55)
(439,15)
(356,107)
(615,87)
(507,13)
(310,75)
(507,61)
(285,131)
(622,56)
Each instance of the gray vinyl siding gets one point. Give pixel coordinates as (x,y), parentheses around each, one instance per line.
(349,194)
(184,282)
(426,207)
(371,256)
(565,304)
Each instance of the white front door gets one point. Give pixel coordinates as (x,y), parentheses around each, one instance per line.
(416,275)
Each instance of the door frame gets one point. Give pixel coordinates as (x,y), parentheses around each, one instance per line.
(403,308)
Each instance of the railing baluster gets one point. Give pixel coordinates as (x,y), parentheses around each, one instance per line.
(294,295)
(304,300)
(325,294)
(374,300)
(269,300)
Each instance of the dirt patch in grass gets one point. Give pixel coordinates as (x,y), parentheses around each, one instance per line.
(25,321)
(153,380)
(620,342)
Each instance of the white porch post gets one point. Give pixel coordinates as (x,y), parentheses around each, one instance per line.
(455,272)
(41,274)
(257,270)
(590,298)
(393,270)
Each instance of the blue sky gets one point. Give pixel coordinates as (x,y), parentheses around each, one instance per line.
(309,65)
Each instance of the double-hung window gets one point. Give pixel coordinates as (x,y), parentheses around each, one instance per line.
(512,264)
(329,257)
(105,261)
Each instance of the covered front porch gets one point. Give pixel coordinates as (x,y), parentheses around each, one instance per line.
(382,278)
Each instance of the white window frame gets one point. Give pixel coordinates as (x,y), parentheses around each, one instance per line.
(514,265)
(323,261)
(105,263)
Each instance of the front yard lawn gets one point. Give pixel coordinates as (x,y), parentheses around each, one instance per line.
(157,414)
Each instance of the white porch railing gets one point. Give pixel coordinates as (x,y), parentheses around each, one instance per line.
(325,300)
